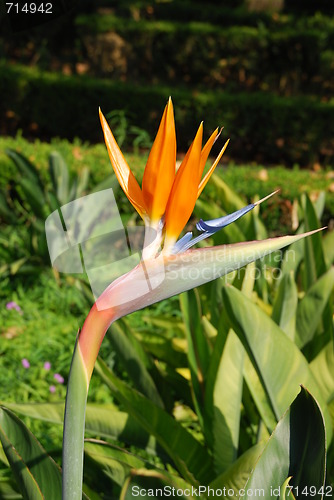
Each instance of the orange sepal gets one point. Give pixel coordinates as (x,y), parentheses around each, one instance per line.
(159,172)
(122,170)
(211,170)
(206,151)
(184,191)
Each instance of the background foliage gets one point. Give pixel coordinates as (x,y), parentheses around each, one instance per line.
(263,75)
(202,387)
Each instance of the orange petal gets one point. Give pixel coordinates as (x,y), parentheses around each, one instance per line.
(206,151)
(122,170)
(159,172)
(211,170)
(184,191)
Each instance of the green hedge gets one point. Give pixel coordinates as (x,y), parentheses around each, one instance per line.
(216,12)
(262,126)
(290,59)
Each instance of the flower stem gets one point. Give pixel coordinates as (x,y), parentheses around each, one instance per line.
(74,428)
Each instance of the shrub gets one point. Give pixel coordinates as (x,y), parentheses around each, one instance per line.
(262,126)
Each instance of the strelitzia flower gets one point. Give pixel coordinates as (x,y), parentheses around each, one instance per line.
(165,202)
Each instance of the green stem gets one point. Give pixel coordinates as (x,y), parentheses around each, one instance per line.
(74,428)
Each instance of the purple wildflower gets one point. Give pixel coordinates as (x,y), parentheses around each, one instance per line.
(25,363)
(47,365)
(13,305)
(52,388)
(59,378)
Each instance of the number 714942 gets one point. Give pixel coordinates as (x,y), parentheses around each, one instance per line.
(29,8)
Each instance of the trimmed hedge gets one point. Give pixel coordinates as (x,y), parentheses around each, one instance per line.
(262,127)
(229,13)
(290,59)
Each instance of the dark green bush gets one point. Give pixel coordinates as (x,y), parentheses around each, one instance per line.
(287,60)
(262,126)
(216,12)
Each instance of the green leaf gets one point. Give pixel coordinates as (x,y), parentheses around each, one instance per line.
(237,474)
(118,464)
(277,360)
(227,388)
(286,492)
(34,197)
(198,348)
(259,395)
(285,305)
(227,404)
(311,308)
(323,371)
(101,420)
(59,176)
(5,211)
(188,455)
(134,359)
(256,230)
(315,264)
(168,350)
(82,184)
(328,246)
(293,256)
(8,490)
(26,168)
(36,473)
(115,463)
(297,448)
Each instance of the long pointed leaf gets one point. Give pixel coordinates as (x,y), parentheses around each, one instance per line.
(60,177)
(297,448)
(118,464)
(101,420)
(189,456)
(278,361)
(285,305)
(315,264)
(36,473)
(198,349)
(227,404)
(131,356)
(323,371)
(236,476)
(227,391)
(311,308)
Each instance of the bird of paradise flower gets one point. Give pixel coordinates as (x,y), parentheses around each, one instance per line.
(165,203)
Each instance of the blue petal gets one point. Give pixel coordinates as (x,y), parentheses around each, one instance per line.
(178,246)
(208,228)
(214,225)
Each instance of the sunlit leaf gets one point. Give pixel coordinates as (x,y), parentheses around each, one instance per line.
(285,305)
(311,307)
(36,473)
(278,361)
(297,449)
(188,455)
